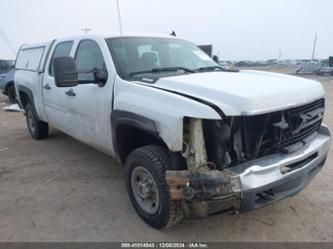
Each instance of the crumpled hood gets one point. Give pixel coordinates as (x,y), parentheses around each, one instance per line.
(247,92)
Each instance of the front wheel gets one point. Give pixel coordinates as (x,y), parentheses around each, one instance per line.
(37,129)
(147,187)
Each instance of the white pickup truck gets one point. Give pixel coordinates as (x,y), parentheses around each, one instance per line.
(195,139)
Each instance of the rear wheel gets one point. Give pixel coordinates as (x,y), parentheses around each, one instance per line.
(37,129)
(11,94)
(147,187)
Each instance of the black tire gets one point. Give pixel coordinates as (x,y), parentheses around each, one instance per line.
(37,129)
(11,94)
(154,159)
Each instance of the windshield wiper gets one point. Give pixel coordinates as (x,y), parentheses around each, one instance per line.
(164,69)
(211,68)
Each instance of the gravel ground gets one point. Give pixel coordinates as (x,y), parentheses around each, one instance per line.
(61,190)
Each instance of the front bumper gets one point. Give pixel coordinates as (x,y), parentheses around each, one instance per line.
(259,182)
(269,179)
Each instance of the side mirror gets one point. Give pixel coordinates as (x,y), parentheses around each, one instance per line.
(216,59)
(65,73)
(101,76)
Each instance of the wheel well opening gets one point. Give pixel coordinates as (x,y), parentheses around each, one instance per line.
(24,99)
(9,84)
(130,138)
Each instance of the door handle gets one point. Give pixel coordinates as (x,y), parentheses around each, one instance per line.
(70,92)
(47,87)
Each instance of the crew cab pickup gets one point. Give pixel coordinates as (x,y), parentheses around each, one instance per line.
(195,139)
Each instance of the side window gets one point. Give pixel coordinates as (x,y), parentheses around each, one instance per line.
(62,49)
(88,57)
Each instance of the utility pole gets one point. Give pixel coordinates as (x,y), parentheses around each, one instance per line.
(8,42)
(314,46)
(119,19)
(86,30)
(280,54)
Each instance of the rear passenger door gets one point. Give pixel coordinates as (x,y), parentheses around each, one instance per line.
(55,98)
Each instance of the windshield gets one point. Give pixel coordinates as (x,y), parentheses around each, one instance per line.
(138,56)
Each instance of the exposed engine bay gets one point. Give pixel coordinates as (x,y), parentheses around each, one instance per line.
(246,138)
(211,147)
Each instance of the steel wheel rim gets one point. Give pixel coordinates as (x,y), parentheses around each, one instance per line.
(144,189)
(31,122)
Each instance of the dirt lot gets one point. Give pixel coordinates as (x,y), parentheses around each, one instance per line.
(61,190)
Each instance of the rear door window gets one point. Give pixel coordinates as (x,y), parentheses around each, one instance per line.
(62,49)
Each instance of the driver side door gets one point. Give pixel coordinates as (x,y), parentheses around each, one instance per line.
(90,105)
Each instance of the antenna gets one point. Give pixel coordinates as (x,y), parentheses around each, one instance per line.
(119,18)
(8,42)
(86,30)
(314,46)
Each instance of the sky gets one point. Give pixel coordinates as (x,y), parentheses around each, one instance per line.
(238,29)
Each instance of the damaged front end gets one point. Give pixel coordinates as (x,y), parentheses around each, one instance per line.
(244,162)
(202,193)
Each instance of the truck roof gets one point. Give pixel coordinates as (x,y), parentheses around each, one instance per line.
(104,36)
(32,56)
(157,35)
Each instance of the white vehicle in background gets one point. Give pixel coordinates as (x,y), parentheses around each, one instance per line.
(195,139)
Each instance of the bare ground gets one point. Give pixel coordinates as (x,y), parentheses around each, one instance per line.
(61,190)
